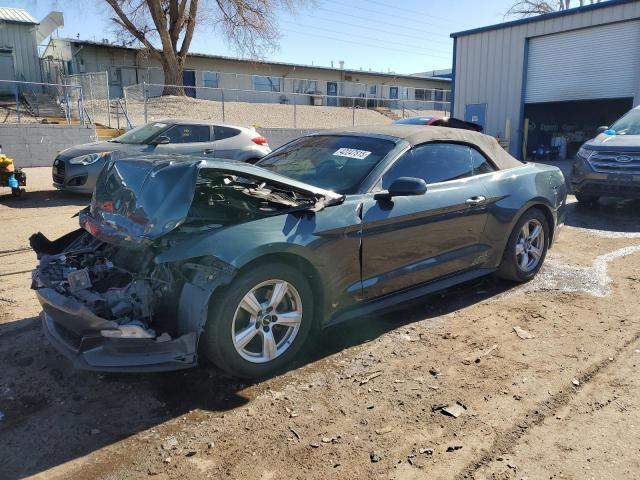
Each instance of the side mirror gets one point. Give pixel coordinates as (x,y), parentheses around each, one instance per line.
(403,187)
(602,129)
(161,140)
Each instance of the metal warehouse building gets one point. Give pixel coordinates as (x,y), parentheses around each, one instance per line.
(550,79)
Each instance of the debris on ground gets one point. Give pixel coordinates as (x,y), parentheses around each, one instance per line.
(453,448)
(8,300)
(375,456)
(382,431)
(170,443)
(297,435)
(522,333)
(434,371)
(454,410)
(426,451)
(478,357)
(95,431)
(576,382)
(370,377)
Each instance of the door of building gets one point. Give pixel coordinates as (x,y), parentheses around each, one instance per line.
(332,91)
(189,80)
(6,70)
(476,113)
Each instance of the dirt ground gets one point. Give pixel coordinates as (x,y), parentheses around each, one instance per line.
(365,401)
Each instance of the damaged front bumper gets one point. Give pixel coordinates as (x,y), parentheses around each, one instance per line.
(80,335)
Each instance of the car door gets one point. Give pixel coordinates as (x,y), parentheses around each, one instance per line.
(411,240)
(187,139)
(228,141)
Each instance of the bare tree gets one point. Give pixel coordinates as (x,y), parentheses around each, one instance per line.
(529,8)
(165,28)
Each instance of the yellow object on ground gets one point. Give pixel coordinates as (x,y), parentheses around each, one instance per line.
(6,164)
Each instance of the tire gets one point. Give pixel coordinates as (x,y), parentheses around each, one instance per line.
(232,314)
(586,199)
(511,267)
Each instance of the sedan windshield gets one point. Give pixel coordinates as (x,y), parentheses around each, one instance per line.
(142,134)
(629,124)
(333,162)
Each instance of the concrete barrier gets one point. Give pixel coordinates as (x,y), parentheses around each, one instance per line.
(280,136)
(36,145)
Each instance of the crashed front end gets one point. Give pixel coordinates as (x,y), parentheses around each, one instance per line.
(108,302)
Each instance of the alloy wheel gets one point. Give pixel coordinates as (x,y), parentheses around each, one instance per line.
(530,245)
(267,321)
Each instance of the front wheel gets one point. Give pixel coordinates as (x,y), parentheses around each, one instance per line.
(526,248)
(260,323)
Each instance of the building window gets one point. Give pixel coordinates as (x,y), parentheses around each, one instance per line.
(438,94)
(305,86)
(404,93)
(421,94)
(210,79)
(372,90)
(266,84)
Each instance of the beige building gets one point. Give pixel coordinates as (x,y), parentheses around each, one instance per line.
(262,81)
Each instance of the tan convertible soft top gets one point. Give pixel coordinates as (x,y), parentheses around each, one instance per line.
(416,134)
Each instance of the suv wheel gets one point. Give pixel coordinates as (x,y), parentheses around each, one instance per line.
(260,323)
(526,248)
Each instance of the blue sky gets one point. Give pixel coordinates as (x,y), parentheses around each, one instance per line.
(404,36)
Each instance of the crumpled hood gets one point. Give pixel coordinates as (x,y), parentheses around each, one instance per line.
(616,142)
(140,199)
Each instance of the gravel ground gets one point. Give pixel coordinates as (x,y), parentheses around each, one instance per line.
(365,401)
(268,115)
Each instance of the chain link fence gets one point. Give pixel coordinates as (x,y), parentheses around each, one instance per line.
(95,87)
(34,102)
(145,102)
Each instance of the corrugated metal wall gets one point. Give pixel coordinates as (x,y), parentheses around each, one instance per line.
(21,38)
(489,65)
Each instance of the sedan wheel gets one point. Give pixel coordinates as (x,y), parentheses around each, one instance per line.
(267,321)
(260,321)
(530,245)
(526,248)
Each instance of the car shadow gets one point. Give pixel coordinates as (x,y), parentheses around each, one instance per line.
(607,214)
(44,199)
(51,414)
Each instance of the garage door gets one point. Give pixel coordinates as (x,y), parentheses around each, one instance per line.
(596,62)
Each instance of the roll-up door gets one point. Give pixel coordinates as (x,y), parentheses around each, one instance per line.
(590,63)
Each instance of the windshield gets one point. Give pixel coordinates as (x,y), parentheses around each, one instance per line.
(333,162)
(629,124)
(142,134)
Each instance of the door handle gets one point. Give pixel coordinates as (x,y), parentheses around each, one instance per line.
(209,150)
(475,201)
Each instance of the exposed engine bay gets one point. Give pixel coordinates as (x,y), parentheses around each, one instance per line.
(223,199)
(115,283)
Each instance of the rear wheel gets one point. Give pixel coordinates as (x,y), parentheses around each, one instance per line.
(586,199)
(261,322)
(527,247)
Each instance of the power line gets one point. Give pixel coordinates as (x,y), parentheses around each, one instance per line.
(361,43)
(370,38)
(344,14)
(353,25)
(417,12)
(384,14)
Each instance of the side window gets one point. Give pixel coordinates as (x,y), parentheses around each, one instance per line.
(220,133)
(480,163)
(433,162)
(188,133)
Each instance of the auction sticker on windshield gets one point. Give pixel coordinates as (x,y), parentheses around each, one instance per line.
(352,153)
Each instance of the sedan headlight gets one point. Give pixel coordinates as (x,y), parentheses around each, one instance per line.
(585,153)
(89,159)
